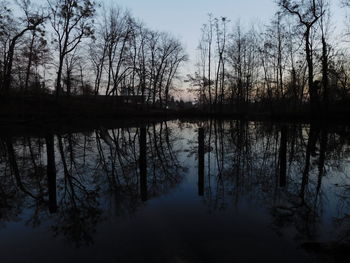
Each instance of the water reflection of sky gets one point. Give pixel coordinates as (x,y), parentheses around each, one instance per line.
(244,213)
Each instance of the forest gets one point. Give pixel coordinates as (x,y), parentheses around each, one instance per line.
(297,63)
(72,48)
(66,50)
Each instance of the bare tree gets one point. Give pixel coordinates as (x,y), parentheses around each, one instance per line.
(71,21)
(324,26)
(31,20)
(308,13)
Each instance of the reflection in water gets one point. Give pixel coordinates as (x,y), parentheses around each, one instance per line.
(283,157)
(291,178)
(143,164)
(200,161)
(51,173)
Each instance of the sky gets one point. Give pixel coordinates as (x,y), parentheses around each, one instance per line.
(184,18)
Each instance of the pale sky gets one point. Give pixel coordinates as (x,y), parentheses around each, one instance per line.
(184,18)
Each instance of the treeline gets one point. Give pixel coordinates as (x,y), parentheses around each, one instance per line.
(295,63)
(79,47)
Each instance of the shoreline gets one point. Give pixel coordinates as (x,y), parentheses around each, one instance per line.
(47,111)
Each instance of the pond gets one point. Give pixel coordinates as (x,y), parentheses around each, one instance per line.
(177,191)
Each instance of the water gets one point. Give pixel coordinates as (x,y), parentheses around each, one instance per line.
(197,191)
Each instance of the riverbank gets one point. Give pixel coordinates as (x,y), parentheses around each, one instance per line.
(70,111)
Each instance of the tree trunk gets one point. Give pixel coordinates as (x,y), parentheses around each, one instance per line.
(312,89)
(325,80)
(59,77)
(30,59)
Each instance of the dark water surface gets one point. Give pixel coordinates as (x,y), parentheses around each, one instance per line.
(201,191)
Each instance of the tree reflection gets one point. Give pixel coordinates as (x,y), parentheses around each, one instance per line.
(200,161)
(281,167)
(51,172)
(77,180)
(143,164)
(81,178)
